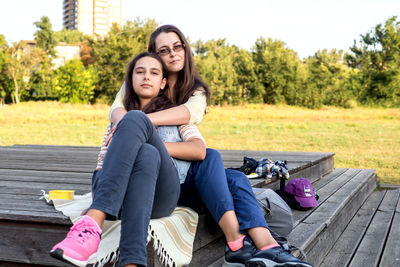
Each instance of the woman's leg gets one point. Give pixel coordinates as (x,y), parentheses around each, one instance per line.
(228,196)
(248,212)
(207,179)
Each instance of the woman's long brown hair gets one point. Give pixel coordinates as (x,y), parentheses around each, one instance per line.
(131,99)
(189,80)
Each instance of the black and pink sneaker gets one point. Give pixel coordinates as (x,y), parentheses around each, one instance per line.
(81,243)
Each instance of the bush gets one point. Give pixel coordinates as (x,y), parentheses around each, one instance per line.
(74,83)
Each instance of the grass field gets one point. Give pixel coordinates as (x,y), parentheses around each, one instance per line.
(361,137)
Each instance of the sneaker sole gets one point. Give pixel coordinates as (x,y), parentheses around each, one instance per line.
(232,264)
(59,255)
(268,263)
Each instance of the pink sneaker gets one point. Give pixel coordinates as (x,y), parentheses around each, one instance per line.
(81,244)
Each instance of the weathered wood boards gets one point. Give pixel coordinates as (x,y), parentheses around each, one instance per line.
(372,237)
(25,170)
(317,233)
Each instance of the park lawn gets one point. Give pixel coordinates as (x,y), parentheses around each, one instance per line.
(366,138)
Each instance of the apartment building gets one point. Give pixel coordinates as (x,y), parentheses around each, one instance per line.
(91,16)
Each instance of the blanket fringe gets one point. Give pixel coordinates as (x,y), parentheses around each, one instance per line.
(164,257)
(109,258)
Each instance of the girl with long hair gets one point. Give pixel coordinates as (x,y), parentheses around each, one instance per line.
(137,180)
(227,194)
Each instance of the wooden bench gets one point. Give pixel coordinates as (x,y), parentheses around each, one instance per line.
(29,227)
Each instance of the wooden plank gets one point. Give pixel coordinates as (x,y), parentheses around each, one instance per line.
(391,255)
(207,231)
(34,217)
(56,147)
(317,185)
(33,191)
(24,197)
(23,204)
(344,248)
(21,243)
(7,173)
(208,254)
(272,154)
(83,180)
(370,249)
(336,180)
(318,232)
(45,186)
(47,166)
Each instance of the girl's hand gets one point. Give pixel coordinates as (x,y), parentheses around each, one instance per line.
(110,135)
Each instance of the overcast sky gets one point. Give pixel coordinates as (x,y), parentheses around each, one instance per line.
(306,26)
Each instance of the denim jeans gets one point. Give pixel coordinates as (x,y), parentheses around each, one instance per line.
(138,182)
(220,190)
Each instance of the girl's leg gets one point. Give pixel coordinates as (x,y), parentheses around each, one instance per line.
(111,182)
(132,132)
(137,206)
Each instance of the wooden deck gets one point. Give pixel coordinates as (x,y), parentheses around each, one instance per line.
(353,224)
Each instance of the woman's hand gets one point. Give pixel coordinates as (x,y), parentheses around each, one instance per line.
(173,116)
(117,115)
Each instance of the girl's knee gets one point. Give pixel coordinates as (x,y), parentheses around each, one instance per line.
(134,120)
(149,154)
(134,114)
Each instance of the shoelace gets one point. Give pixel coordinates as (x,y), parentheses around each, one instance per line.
(81,232)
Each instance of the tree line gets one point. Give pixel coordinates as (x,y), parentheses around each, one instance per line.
(270,72)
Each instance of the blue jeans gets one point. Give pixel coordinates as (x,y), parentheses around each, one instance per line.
(138,182)
(221,190)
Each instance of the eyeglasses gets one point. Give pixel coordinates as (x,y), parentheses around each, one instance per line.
(166,50)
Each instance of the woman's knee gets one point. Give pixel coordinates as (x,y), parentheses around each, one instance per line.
(212,155)
(237,179)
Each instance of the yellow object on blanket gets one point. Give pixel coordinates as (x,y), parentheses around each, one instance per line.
(173,235)
(61,194)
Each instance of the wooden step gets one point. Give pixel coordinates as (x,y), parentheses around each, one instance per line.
(26,169)
(341,195)
(372,237)
(339,192)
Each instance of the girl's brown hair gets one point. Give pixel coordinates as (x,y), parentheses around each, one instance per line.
(131,99)
(189,80)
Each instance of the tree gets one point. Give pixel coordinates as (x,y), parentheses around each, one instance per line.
(377,57)
(42,82)
(69,36)
(278,69)
(4,80)
(21,62)
(45,37)
(245,68)
(328,74)
(214,60)
(113,52)
(74,83)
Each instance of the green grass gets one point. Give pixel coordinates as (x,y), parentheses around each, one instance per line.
(361,138)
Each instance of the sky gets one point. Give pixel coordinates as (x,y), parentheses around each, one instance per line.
(305,26)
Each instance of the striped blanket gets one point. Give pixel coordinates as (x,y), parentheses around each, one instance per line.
(173,236)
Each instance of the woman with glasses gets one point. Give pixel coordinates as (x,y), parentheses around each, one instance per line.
(227,194)
(187,89)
